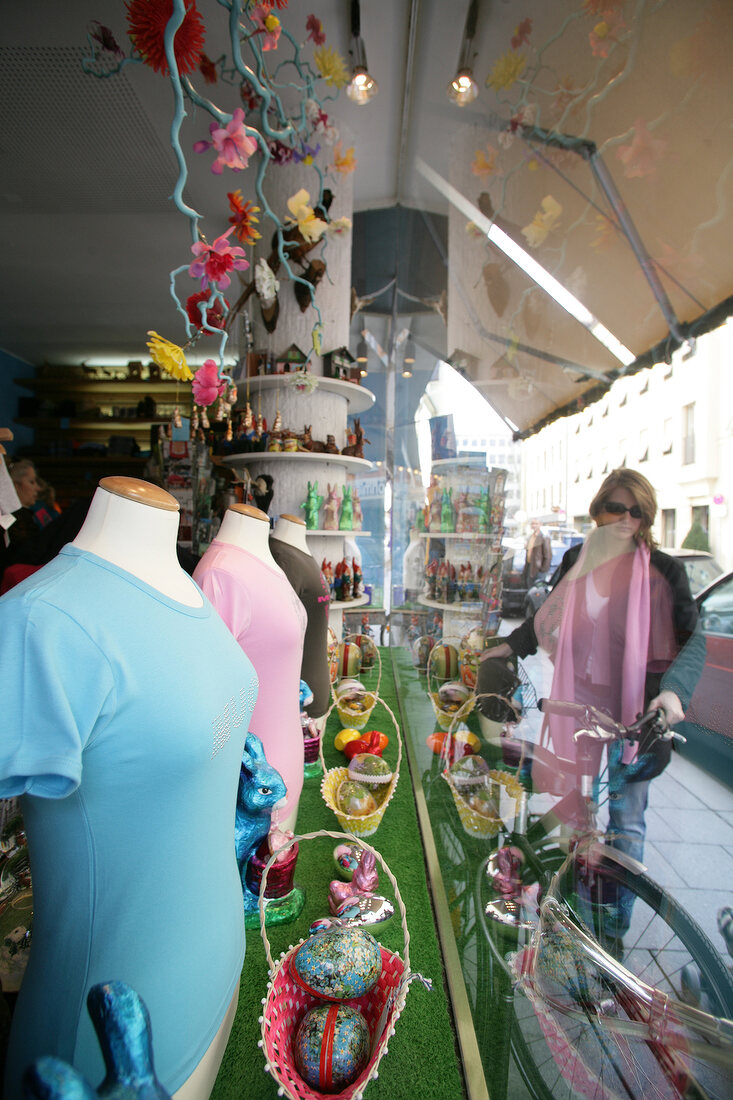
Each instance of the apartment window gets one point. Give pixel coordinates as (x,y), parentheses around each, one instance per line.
(688,434)
(667,444)
(669,527)
(701,515)
(644,445)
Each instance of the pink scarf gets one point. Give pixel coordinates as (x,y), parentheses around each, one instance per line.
(565,641)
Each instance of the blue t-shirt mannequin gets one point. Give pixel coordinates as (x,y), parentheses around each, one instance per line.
(125,705)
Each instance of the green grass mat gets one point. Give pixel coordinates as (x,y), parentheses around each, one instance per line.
(422,1059)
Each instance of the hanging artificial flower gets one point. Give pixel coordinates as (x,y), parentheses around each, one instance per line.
(105,39)
(280,153)
(302,381)
(521,33)
(243,218)
(344,163)
(598,7)
(315,30)
(231,143)
(169,357)
(146,24)
(331,66)
(207,68)
(606,33)
(215,314)
(641,156)
(311,228)
(338,226)
(267,25)
(306,154)
(317,337)
(248,96)
(604,233)
(207,385)
(544,221)
(506,71)
(213,262)
(483,164)
(266,284)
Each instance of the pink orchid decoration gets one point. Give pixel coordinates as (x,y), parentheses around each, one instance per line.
(231,142)
(207,385)
(315,30)
(640,158)
(213,262)
(268,25)
(521,33)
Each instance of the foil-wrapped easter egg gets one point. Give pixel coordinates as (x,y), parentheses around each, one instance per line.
(331,1046)
(347,857)
(349,659)
(350,687)
(421,650)
(343,737)
(354,799)
(337,965)
(470,772)
(363,909)
(443,662)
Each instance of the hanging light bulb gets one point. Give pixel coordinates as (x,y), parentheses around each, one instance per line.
(463,89)
(362,86)
(408,358)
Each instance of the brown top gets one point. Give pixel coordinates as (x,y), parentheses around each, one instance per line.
(249,510)
(144,492)
(293,519)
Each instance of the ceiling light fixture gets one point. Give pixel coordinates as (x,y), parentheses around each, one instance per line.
(408,358)
(463,89)
(362,356)
(362,87)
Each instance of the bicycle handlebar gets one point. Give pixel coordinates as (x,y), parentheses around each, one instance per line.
(595,721)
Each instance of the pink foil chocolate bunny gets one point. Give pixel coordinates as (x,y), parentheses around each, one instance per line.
(365,880)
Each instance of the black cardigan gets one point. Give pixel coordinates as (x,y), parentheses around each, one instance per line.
(682,675)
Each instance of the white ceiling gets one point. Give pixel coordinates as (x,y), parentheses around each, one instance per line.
(90,233)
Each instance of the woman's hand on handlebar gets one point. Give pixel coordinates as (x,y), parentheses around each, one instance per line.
(671,705)
(501,650)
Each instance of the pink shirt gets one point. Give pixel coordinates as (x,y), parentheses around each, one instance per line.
(258,604)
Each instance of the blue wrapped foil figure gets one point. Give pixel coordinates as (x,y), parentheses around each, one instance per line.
(122,1024)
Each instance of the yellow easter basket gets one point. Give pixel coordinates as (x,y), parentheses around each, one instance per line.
(483,826)
(286,1002)
(334,777)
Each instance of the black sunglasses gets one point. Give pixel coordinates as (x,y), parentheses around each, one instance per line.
(616,508)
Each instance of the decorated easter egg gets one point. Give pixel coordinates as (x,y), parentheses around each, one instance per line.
(443,662)
(349,659)
(372,772)
(354,799)
(470,772)
(368,649)
(337,965)
(343,737)
(468,740)
(453,693)
(349,686)
(347,857)
(331,1046)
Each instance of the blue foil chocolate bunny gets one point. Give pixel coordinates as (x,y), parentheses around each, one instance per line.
(260,789)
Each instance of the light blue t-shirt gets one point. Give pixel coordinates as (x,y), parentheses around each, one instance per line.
(123,717)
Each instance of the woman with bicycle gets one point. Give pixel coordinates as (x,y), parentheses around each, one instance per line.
(619,626)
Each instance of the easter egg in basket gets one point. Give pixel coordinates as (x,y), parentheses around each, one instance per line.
(349,659)
(443,662)
(368,650)
(421,650)
(354,799)
(337,965)
(331,1046)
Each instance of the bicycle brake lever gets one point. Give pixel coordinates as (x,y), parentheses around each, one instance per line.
(595,734)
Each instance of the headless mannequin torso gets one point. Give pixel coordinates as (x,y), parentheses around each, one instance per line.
(291,529)
(249,529)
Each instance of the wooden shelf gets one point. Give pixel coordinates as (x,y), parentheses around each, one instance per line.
(101,387)
(66,423)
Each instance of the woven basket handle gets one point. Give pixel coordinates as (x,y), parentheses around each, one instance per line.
(463,711)
(378,701)
(350,838)
(352,638)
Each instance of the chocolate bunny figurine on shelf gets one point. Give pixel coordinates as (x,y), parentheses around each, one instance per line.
(331,509)
(260,789)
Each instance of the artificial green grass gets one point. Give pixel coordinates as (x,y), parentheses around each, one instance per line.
(422,1060)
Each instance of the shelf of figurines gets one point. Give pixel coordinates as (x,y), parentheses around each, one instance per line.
(470,606)
(323,532)
(359,398)
(248,458)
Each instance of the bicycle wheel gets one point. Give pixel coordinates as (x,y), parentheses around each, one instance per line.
(561,1056)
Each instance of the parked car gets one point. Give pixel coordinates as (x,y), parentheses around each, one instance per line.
(709,727)
(516,600)
(701,567)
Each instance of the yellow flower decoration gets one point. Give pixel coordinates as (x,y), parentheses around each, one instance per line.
(483,164)
(506,71)
(544,221)
(317,336)
(331,66)
(343,162)
(169,357)
(311,227)
(272,23)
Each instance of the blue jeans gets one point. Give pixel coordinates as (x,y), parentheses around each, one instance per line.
(626,830)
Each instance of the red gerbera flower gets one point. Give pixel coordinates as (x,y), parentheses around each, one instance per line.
(146,23)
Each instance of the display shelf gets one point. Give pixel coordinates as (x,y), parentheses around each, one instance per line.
(479,536)
(251,458)
(359,398)
(346,605)
(107,387)
(321,532)
(469,607)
